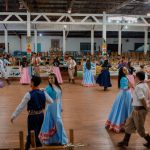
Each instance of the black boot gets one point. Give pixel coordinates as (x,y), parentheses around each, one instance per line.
(125,141)
(8,82)
(69,80)
(105,88)
(73,81)
(147,138)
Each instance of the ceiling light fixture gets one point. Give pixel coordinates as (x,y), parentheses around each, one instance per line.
(65,26)
(69,11)
(40,34)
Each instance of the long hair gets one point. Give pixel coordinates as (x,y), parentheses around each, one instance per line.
(121,74)
(56,81)
(88,64)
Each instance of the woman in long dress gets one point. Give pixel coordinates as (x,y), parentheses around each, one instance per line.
(103,78)
(24,72)
(56,70)
(52,131)
(121,108)
(88,78)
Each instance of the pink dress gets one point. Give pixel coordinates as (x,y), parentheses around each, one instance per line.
(56,71)
(25,75)
(132,82)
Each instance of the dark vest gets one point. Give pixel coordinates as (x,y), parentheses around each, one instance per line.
(37,100)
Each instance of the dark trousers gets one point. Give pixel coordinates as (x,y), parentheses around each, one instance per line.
(34,123)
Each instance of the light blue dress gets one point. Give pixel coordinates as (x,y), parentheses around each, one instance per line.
(52,131)
(121,108)
(88,78)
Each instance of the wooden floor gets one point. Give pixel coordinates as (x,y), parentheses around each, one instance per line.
(85,111)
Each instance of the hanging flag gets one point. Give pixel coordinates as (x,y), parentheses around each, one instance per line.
(29,45)
(104,47)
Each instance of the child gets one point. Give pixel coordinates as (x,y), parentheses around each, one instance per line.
(35,101)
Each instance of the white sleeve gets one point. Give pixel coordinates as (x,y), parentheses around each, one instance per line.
(48,98)
(140,94)
(74,63)
(7,62)
(21,106)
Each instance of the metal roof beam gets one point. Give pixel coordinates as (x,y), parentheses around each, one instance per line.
(25,5)
(125,3)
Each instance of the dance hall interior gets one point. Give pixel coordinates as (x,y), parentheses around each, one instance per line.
(74,74)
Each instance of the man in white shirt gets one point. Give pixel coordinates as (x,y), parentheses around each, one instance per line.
(3,70)
(137,118)
(35,101)
(71,69)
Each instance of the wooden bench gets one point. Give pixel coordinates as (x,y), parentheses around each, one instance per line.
(33,144)
(21,143)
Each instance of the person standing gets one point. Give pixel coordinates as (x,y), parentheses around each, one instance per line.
(35,61)
(3,70)
(35,101)
(24,71)
(71,69)
(103,78)
(52,131)
(121,108)
(137,118)
(56,70)
(88,78)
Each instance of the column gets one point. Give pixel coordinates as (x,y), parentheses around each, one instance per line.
(29,50)
(92,41)
(6,41)
(119,41)
(28,25)
(64,41)
(35,41)
(104,26)
(146,41)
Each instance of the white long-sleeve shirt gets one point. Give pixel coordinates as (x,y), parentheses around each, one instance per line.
(24,102)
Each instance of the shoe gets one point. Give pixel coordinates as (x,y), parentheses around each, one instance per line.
(69,80)
(147,138)
(122,144)
(8,82)
(73,81)
(125,141)
(105,88)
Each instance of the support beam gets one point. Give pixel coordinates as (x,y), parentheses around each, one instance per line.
(123,4)
(104,26)
(92,41)
(64,41)
(6,5)
(71,5)
(6,40)
(146,41)
(28,25)
(119,41)
(35,40)
(25,5)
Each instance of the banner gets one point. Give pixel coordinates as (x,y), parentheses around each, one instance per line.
(29,45)
(104,47)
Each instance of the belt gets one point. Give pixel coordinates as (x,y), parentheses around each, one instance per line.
(139,107)
(35,112)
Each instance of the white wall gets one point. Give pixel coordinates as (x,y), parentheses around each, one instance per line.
(72,44)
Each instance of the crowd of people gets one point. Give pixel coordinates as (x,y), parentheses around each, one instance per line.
(128,112)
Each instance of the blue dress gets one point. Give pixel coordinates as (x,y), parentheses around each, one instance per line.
(52,131)
(121,108)
(88,78)
(103,78)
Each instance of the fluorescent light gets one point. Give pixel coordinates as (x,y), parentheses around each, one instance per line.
(40,34)
(69,11)
(126,27)
(65,26)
